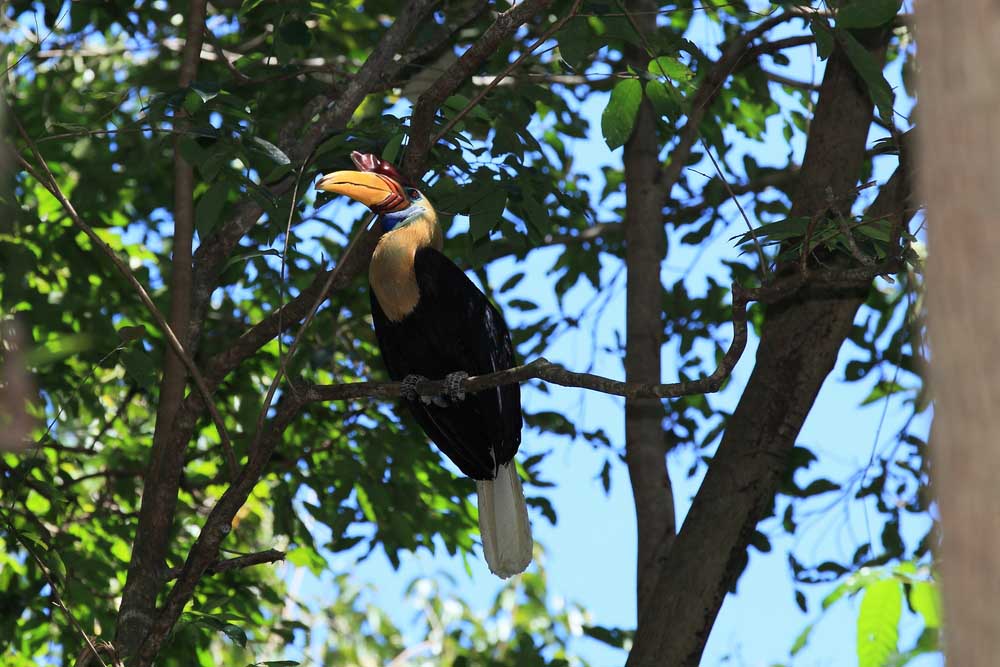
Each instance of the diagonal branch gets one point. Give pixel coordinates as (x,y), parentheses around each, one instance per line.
(356,242)
(738,52)
(506,71)
(49,182)
(333,115)
(249,560)
(799,344)
(422,119)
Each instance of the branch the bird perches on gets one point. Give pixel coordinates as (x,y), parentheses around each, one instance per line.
(543,369)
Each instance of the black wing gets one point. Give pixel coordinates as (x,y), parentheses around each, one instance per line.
(454,327)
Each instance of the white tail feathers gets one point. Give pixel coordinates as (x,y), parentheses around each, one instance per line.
(503,523)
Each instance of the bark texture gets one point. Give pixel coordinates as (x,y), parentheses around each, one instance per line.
(645,247)
(959,143)
(159,500)
(799,346)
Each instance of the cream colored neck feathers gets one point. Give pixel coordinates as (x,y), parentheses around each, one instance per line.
(391,271)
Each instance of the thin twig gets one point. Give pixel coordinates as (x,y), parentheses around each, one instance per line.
(50,184)
(758,30)
(52,586)
(852,245)
(249,560)
(305,324)
(239,76)
(506,71)
(764,271)
(284,265)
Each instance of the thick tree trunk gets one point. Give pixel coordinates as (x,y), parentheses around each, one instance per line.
(799,346)
(958,124)
(645,247)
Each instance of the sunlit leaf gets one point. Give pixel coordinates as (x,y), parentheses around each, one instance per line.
(619,116)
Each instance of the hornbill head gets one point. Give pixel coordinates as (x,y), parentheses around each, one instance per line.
(378,185)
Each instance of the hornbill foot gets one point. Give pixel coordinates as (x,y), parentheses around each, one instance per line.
(409,388)
(453,385)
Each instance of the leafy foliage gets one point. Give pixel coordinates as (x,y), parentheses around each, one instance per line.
(100,97)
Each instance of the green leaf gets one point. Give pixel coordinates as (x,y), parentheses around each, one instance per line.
(270,150)
(295,32)
(522,304)
(824,37)
(881,390)
(575,42)
(870,72)
(307,557)
(235,634)
(878,622)
(816,487)
(208,212)
(867,13)
(248,6)
(57,568)
(618,118)
(393,147)
(774,232)
(851,585)
(191,151)
(760,542)
(57,348)
(140,367)
(206,90)
(536,217)
(37,504)
(926,601)
(802,639)
(239,257)
(511,282)
(666,100)
(611,636)
(670,67)
(486,212)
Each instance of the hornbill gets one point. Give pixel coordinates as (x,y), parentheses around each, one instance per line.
(431,321)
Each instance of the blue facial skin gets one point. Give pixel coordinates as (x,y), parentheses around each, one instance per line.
(396,218)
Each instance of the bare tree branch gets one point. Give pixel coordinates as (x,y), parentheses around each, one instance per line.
(734,56)
(422,119)
(166,459)
(249,560)
(645,251)
(799,344)
(960,155)
(507,70)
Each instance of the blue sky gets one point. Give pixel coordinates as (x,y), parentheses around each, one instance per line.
(590,553)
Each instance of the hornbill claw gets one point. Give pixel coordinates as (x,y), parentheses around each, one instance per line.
(453,392)
(409,388)
(453,385)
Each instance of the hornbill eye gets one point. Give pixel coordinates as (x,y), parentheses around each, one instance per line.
(413,194)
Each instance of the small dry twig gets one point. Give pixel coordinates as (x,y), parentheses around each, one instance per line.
(49,182)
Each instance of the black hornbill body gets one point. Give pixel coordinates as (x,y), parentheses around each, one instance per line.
(432,321)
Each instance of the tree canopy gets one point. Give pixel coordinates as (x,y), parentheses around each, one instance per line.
(187,345)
